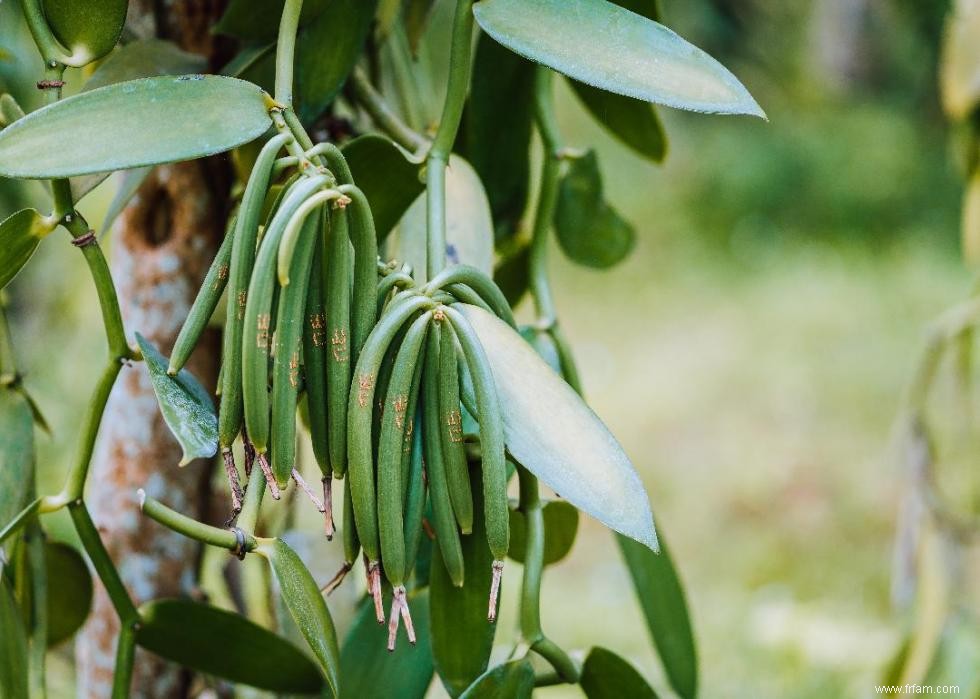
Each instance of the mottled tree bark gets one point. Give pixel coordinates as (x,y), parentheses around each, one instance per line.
(162,245)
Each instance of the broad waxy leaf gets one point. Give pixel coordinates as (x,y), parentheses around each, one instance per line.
(497,130)
(661,597)
(560,527)
(306,606)
(556,436)
(134,123)
(220,643)
(589,231)
(16,453)
(609,47)
(605,675)
(462,638)
(959,74)
(89,29)
(146,58)
(544,345)
(259,21)
(386,175)
(513,679)
(69,591)
(327,50)
(13,644)
(469,227)
(20,234)
(632,121)
(369,671)
(186,406)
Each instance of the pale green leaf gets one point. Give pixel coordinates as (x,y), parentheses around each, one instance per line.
(16,453)
(20,234)
(469,227)
(87,28)
(307,608)
(186,406)
(369,671)
(659,592)
(146,58)
(550,431)
(589,231)
(259,21)
(513,679)
(632,121)
(134,123)
(69,591)
(605,675)
(609,47)
(13,644)
(226,645)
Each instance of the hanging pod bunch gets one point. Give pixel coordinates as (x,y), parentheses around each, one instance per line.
(300,286)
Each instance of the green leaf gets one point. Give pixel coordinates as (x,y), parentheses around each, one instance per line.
(632,121)
(369,671)
(609,47)
(544,345)
(327,50)
(129,183)
(386,175)
(560,527)
(134,123)
(259,21)
(69,591)
(497,130)
(16,454)
(416,15)
(306,606)
(957,659)
(186,406)
(13,644)
(605,675)
(589,231)
(89,29)
(462,638)
(513,679)
(556,436)
(20,234)
(661,596)
(512,273)
(220,643)
(469,226)
(146,58)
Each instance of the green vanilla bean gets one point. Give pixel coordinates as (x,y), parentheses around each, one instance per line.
(365,241)
(286,371)
(315,353)
(230,414)
(337,253)
(443,520)
(395,418)
(483,285)
(204,304)
(451,430)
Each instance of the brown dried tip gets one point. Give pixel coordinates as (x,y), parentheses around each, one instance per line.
(335,581)
(498,572)
(301,482)
(269,478)
(236,487)
(399,609)
(328,523)
(427,528)
(249,454)
(373,572)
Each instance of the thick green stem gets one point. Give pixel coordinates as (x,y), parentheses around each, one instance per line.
(286,51)
(125,655)
(51,50)
(249,515)
(190,527)
(460,60)
(544,112)
(75,483)
(92,543)
(39,607)
(530,505)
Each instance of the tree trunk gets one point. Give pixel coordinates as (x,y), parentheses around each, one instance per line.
(162,246)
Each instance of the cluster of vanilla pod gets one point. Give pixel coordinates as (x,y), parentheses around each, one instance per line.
(382,362)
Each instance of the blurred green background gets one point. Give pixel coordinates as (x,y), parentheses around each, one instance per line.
(750,354)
